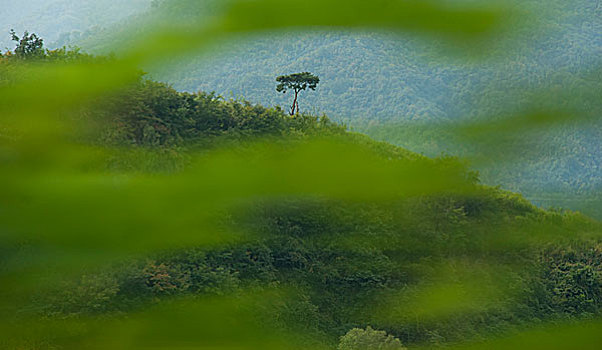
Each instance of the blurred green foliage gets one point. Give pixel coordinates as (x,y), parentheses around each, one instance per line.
(135,216)
(546,63)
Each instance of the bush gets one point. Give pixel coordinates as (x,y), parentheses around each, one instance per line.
(369,339)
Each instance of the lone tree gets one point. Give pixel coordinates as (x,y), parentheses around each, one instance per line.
(296,82)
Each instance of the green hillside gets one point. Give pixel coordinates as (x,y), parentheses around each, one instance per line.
(556,167)
(375,81)
(136,214)
(192,204)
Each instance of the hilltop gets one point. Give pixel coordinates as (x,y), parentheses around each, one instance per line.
(413,92)
(191,196)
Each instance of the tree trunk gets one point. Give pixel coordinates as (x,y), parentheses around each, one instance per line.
(295,104)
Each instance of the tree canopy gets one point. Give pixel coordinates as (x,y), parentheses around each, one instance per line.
(28,46)
(296,82)
(369,339)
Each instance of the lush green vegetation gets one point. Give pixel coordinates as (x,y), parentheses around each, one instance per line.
(372,81)
(135,216)
(348,263)
(557,167)
(369,339)
(402,91)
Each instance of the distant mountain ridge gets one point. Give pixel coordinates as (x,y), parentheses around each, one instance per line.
(63,22)
(378,82)
(382,83)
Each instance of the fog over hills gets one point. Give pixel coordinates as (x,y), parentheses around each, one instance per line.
(401,89)
(407,90)
(158,193)
(52,19)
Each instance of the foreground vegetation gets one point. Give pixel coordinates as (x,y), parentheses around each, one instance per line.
(211,221)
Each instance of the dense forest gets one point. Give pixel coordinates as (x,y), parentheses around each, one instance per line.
(350,264)
(383,85)
(373,81)
(558,167)
(141,214)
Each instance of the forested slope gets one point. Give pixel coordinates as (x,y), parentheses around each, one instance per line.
(373,81)
(379,76)
(334,234)
(368,76)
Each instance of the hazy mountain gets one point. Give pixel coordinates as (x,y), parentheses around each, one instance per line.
(374,81)
(61,22)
